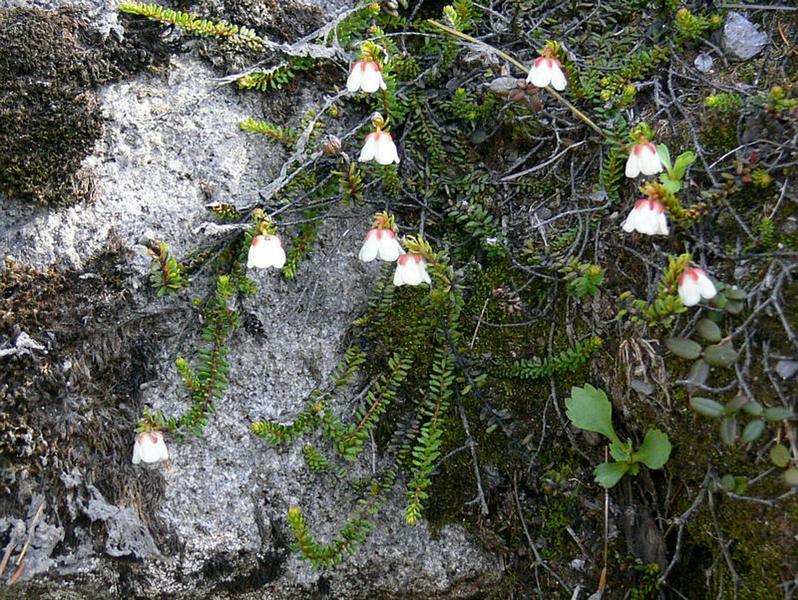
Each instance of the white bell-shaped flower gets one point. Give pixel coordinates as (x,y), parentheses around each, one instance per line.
(411,269)
(379,146)
(380,243)
(149,447)
(366,76)
(547,71)
(648,217)
(643,158)
(694,285)
(266,251)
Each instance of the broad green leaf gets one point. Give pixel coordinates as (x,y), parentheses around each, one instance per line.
(684,160)
(655,451)
(778,413)
(672,185)
(720,355)
(683,347)
(709,330)
(728,430)
(707,407)
(589,409)
(608,474)
(665,157)
(753,430)
(779,455)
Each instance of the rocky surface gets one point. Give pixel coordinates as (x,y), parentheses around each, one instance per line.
(215,524)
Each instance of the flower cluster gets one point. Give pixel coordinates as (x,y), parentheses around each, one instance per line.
(381,242)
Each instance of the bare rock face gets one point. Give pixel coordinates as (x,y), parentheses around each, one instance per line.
(212,521)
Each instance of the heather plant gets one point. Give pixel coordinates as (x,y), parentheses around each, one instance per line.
(501,276)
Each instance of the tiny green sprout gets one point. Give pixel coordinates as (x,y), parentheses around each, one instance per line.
(673,177)
(166,276)
(588,408)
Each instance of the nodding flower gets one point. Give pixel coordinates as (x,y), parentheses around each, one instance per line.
(382,243)
(643,158)
(648,217)
(411,269)
(545,71)
(379,146)
(149,447)
(365,75)
(266,251)
(694,285)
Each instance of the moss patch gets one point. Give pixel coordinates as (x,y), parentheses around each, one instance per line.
(51,64)
(73,404)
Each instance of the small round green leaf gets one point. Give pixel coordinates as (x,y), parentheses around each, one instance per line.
(699,372)
(754,408)
(683,347)
(779,455)
(735,404)
(709,330)
(734,293)
(728,483)
(791,476)
(733,307)
(753,430)
(778,413)
(720,355)
(707,407)
(728,430)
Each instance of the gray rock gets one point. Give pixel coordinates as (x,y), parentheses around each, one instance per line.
(786,368)
(742,38)
(703,62)
(222,518)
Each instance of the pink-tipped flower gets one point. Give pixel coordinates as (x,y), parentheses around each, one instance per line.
(694,285)
(380,243)
(411,269)
(266,251)
(379,146)
(648,216)
(545,71)
(365,75)
(149,447)
(643,158)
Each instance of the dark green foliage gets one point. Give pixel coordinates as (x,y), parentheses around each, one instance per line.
(166,276)
(209,381)
(349,439)
(426,449)
(567,361)
(302,244)
(286,135)
(309,418)
(275,77)
(193,24)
